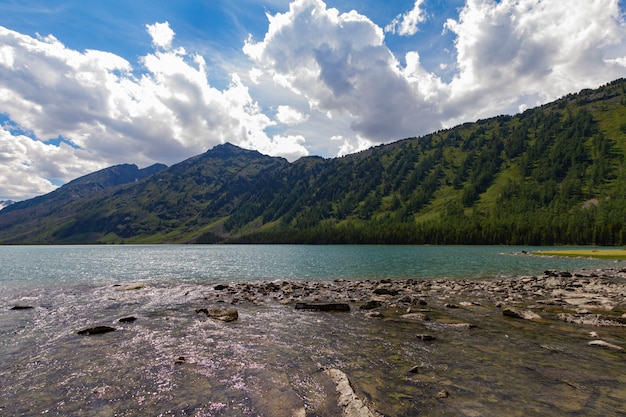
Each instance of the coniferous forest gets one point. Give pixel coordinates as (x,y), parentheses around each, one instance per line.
(550,175)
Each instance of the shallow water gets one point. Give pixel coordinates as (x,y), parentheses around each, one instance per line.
(269,362)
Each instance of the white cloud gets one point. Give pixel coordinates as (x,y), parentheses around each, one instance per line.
(28,167)
(407,24)
(290,115)
(512,49)
(162,35)
(340,64)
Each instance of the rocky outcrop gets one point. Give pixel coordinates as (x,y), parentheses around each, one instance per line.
(351,404)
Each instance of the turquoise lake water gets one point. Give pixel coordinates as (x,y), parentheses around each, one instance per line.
(69,265)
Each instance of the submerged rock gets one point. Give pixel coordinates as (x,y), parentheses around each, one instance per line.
(331,307)
(96,330)
(22,307)
(415,316)
(134,287)
(520,314)
(371,304)
(443,394)
(220,313)
(129,319)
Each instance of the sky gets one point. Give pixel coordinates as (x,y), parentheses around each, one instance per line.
(89,84)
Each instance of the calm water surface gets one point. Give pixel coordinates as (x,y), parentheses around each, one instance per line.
(68,265)
(271,355)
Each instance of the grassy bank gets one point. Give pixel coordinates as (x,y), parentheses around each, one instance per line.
(586,253)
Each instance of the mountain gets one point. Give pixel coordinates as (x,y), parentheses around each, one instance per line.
(5,203)
(26,219)
(550,175)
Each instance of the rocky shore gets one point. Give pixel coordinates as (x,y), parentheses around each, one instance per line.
(551,344)
(595,298)
(588,299)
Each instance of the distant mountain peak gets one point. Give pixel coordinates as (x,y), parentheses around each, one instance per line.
(5,203)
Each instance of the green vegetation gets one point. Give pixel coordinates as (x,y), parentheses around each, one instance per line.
(550,175)
(586,253)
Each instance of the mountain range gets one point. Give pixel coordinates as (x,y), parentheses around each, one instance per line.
(553,174)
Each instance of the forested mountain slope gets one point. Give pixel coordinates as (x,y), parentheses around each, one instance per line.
(550,175)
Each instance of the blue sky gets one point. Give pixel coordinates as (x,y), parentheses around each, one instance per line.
(89,84)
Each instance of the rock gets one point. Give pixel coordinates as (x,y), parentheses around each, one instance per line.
(371,304)
(129,319)
(604,344)
(220,287)
(96,330)
(134,287)
(426,337)
(597,320)
(520,314)
(443,394)
(220,313)
(375,315)
(415,316)
(352,405)
(386,291)
(460,326)
(329,307)
(414,369)
(450,305)
(468,304)
(180,360)
(22,308)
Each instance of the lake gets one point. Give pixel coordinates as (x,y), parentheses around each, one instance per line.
(24,266)
(268,361)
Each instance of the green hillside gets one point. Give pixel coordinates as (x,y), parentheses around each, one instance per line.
(550,175)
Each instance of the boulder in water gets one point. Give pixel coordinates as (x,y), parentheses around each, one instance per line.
(96,330)
(129,319)
(220,313)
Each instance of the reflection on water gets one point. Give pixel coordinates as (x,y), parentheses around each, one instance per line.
(173,361)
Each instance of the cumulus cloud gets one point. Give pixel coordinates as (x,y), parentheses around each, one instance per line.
(407,24)
(340,64)
(29,167)
(162,35)
(521,53)
(290,115)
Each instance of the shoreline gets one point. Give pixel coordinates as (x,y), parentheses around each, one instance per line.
(588,304)
(583,291)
